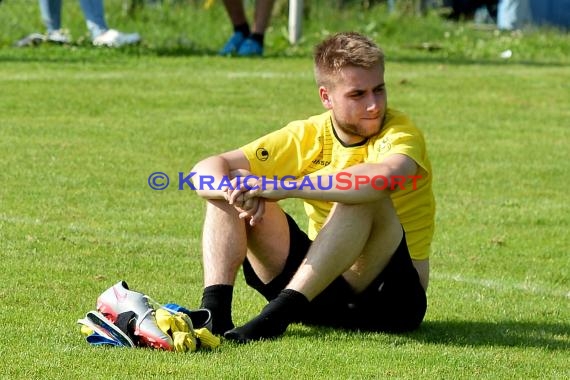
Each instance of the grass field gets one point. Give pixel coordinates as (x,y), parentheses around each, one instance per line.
(81,129)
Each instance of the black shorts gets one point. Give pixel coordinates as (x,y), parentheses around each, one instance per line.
(395,301)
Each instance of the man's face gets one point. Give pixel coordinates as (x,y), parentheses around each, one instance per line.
(358,102)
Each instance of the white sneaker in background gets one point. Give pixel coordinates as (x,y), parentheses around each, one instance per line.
(33,39)
(114,38)
(60,36)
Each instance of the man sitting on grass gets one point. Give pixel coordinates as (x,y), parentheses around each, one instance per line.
(363,172)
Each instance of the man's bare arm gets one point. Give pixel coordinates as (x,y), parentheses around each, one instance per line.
(360,183)
(216,172)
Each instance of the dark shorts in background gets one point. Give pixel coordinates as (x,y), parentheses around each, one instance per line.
(395,301)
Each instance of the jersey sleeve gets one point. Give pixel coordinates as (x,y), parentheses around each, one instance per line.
(283,152)
(401,136)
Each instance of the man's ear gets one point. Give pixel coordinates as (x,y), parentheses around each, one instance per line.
(325,98)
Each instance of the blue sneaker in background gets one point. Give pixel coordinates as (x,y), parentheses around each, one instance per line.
(233,44)
(250,48)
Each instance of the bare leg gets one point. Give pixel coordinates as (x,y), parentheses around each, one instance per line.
(226,238)
(224,248)
(262,15)
(357,242)
(235,11)
(224,243)
(268,243)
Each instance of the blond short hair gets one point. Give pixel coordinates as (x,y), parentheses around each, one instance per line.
(342,50)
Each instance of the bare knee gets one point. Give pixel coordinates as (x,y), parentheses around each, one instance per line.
(381,211)
(219,208)
(223,219)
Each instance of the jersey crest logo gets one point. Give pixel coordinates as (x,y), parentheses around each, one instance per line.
(384,145)
(262,154)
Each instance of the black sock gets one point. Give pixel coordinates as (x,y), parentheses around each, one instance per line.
(259,37)
(243,29)
(218,299)
(273,319)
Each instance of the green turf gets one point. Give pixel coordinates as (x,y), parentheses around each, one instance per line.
(81,130)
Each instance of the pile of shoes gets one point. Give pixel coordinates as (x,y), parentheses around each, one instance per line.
(127,318)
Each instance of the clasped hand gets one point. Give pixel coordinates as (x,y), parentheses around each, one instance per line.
(249,193)
(247,199)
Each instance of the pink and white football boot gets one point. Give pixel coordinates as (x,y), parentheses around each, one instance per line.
(119,299)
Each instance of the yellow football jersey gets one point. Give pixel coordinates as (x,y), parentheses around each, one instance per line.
(310,147)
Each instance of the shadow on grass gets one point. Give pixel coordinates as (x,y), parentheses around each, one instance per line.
(553,336)
(84,53)
(550,336)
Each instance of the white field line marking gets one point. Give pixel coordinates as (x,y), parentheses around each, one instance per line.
(20,220)
(267,74)
(487,283)
(52,76)
(502,285)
